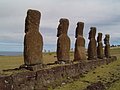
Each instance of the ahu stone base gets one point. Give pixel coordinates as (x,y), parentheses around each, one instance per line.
(48,77)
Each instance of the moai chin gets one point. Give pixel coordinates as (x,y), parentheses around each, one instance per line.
(33,41)
(92,46)
(107,46)
(79,53)
(100,46)
(63,42)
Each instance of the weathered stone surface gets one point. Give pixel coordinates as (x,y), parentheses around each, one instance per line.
(100,46)
(96,86)
(92,46)
(107,45)
(79,29)
(33,67)
(33,41)
(49,77)
(79,53)
(6,83)
(63,42)
(24,81)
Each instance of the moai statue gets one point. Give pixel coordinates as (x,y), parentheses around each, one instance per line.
(63,42)
(100,46)
(33,41)
(92,46)
(79,53)
(107,46)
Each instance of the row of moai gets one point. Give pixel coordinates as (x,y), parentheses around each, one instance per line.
(33,42)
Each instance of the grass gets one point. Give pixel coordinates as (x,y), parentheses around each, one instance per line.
(10,62)
(102,73)
(115,86)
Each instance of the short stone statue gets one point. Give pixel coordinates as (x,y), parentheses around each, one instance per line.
(107,46)
(92,46)
(100,46)
(63,42)
(33,41)
(79,53)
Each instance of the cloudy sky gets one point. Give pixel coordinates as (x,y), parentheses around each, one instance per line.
(102,14)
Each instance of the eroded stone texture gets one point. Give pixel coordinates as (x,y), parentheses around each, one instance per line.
(92,46)
(63,42)
(100,46)
(49,77)
(33,41)
(107,45)
(79,53)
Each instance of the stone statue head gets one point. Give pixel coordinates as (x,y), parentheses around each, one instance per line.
(107,38)
(99,38)
(63,26)
(79,29)
(32,20)
(92,32)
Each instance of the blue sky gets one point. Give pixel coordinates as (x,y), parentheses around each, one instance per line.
(102,14)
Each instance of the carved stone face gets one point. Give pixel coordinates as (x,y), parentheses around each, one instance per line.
(62,27)
(106,40)
(32,20)
(92,32)
(79,29)
(99,38)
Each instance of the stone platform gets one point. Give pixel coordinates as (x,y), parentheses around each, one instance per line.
(53,76)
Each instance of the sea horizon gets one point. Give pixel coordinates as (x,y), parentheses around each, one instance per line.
(10,53)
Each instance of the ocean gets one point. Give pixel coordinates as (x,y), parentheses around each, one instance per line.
(6,53)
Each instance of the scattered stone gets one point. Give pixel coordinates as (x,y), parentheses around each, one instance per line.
(98,76)
(96,86)
(79,53)
(82,75)
(94,72)
(109,72)
(63,42)
(63,83)
(102,67)
(95,67)
(85,81)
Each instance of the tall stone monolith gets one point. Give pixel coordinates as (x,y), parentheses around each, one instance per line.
(92,46)
(33,41)
(63,42)
(100,46)
(79,53)
(107,46)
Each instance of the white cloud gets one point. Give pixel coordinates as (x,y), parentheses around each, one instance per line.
(104,14)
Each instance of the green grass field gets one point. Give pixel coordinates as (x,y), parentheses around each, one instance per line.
(102,73)
(10,62)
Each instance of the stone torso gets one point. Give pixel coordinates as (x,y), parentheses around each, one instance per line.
(63,48)
(79,53)
(63,42)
